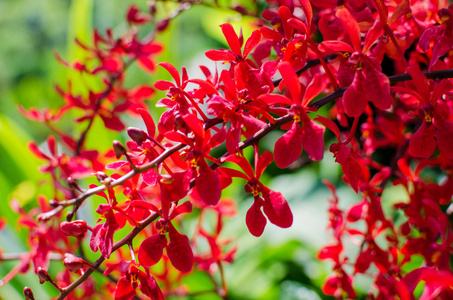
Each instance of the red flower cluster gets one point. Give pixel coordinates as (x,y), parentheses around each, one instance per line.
(388,64)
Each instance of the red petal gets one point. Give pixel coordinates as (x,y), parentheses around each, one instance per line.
(383,11)
(329,124)
(220,55)
(252,42)
(313,139)
(355,212)
(444,136)
(173,72)
(183,208)
(291,80)
(208,185)
(351,26)
(285,14)
(163,85)
(150,177)
(373,34)
(402,9)
(420,81)
(255,220)
(354,100)
(308,11)
(271,99)
(270,34)
(263,161)
(36,151)
(335,46)
(232,38)
(146,64)
(330,286)
(377,87)
(243,163)
(289,147)
(112,122)
(149,122)
(124,289)
(277,209)
(151,249)
(150,288)
(179,251)
(194,124)
(116,165)
(205,85)
(422,143)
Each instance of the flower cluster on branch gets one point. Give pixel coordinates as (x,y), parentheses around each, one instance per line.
(380,69)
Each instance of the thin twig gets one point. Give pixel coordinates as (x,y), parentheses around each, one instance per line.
(113,183)
(126,240)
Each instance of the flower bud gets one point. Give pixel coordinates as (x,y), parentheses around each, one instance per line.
(73,263)
(43,275)
(73,184)
(138,135)
(28,293)
(54,203)
(76,228)
(162,25)
(118,149)
(100,176)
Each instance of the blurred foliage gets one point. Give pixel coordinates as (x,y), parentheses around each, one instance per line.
(279,265)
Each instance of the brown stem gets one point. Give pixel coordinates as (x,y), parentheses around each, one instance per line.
(393,79)
(90,192)
(17,256)
(126,240)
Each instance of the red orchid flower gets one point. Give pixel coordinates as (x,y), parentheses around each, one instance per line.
(303,132)
(436,127)
(235,55)
(361,73)
(127,285)
(207,261)
(236,107)
(274,204)
(440,36)
(351,167)
(180,101)
(178,249)
(290,35)
(102,234)
(207,181)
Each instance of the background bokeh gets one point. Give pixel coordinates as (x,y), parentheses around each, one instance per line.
(279,265)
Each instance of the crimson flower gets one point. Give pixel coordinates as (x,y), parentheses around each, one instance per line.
(303,131)
(235,55)
(344,155)
(440,36)
(207,261)
(236,107)
(207,181)
(290,35)
(244,72)
(102,234)
(178,249)
(180,101)
(361,73)
(273,203)
(127,285)
(436,127)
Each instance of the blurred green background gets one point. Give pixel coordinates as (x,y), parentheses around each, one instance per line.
(279,265)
